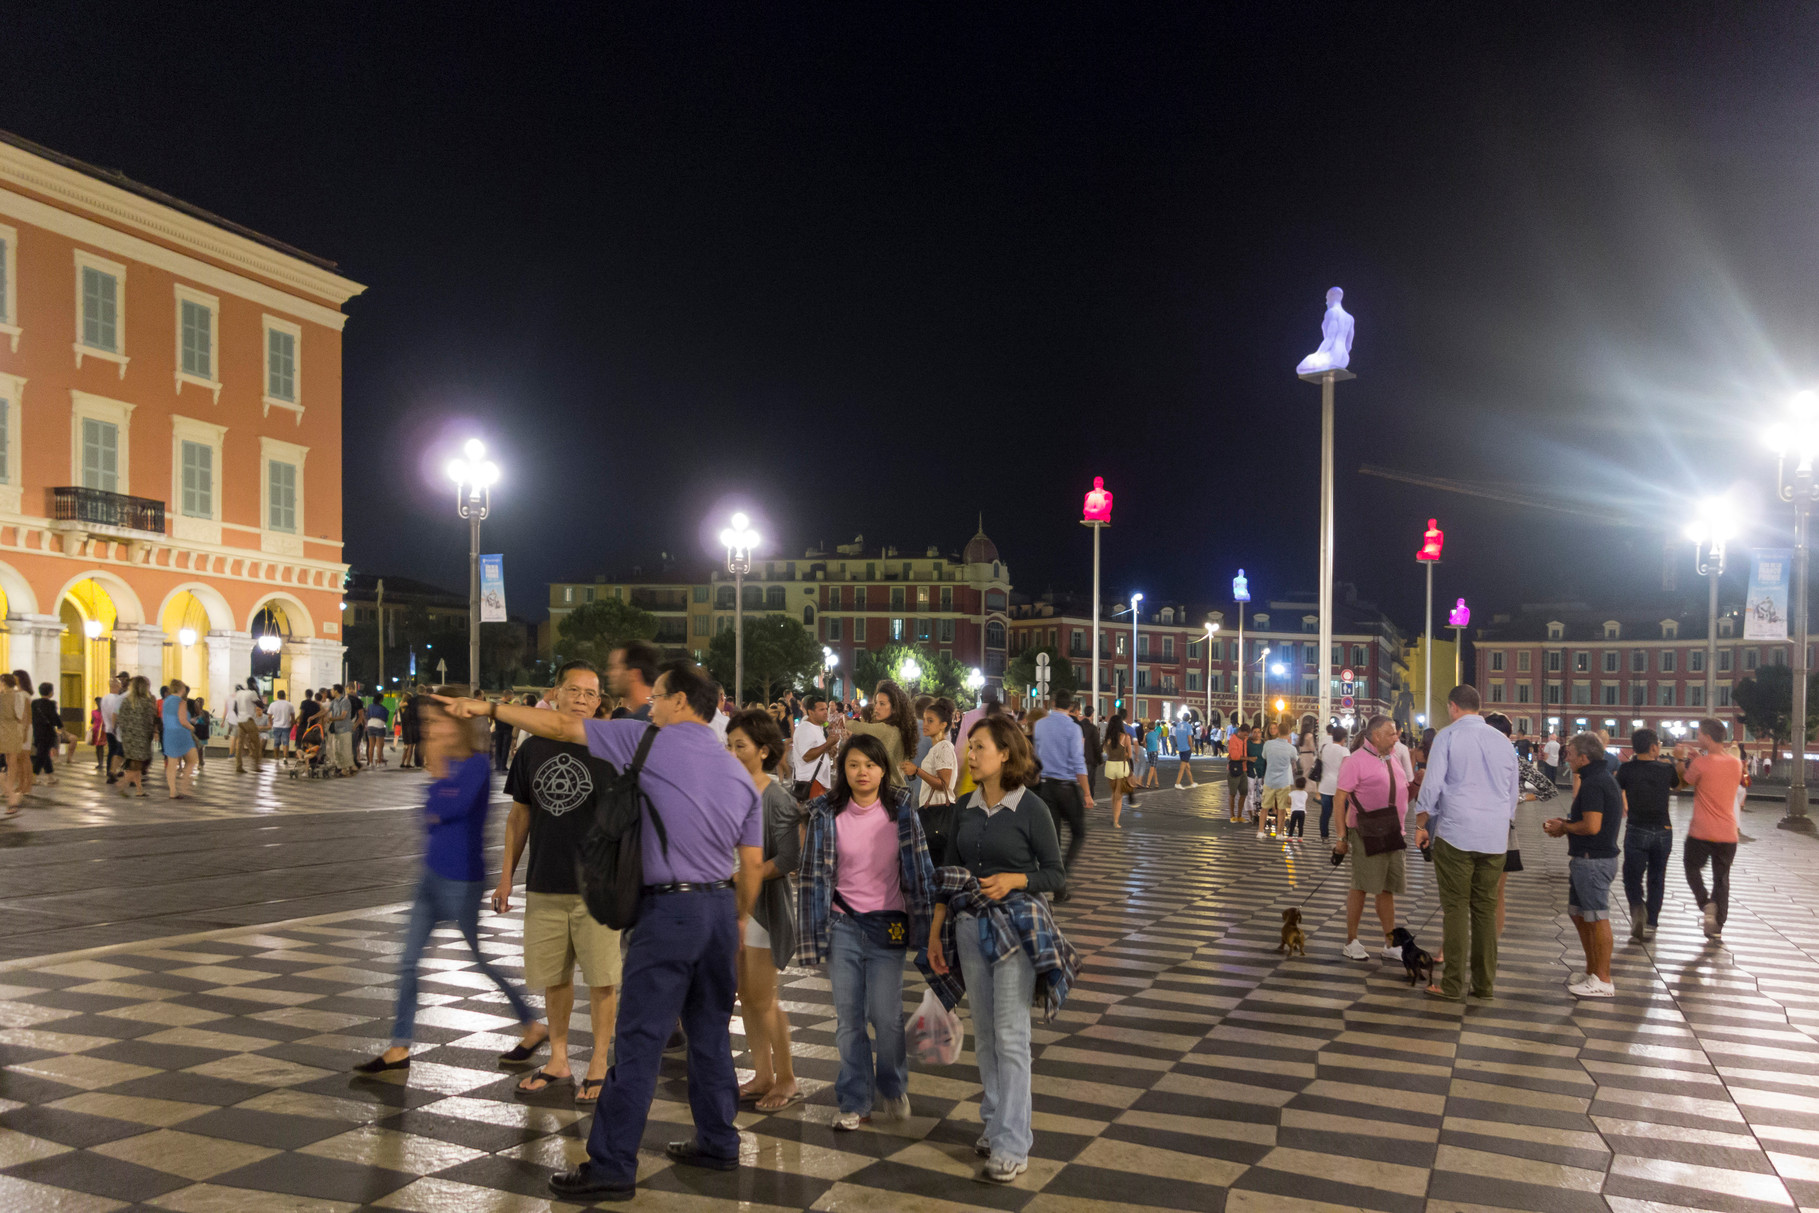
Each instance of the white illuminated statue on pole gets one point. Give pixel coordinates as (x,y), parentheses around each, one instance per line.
(1335,351)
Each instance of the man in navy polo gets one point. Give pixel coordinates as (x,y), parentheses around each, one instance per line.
(682,956)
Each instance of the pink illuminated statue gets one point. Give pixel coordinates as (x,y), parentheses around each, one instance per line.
(1431,541)
(1098,502)
(1460,616)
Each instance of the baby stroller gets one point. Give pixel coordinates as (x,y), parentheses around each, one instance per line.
(312,758)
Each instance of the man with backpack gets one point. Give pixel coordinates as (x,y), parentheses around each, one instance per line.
(700,820)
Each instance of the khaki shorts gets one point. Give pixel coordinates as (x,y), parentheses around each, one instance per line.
(558,932)
(1276,800)
(1383,873)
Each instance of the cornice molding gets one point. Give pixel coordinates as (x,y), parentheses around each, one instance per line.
(134,213)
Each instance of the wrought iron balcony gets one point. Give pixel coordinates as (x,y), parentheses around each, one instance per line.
(98,508)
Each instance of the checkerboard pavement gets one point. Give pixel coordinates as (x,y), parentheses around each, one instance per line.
(1192,1068)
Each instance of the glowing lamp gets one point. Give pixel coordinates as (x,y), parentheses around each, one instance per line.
(1098,507)
(1460,616)
(91,628)
(270,644)
(1431,543)
(475,449)
(976,679)
(1241,588)
(186,637)
(912,669)
(1281,705)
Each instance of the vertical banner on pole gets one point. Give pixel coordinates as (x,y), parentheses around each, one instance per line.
(1766,615)
(492,589)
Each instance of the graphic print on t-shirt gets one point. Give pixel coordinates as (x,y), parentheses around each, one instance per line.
(561,784)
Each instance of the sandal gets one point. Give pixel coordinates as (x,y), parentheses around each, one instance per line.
(783,1101)
(588,1090)
(522,1052)
(545,1081)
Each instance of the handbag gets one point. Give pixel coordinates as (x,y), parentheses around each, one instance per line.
(1381,829)
(884,928)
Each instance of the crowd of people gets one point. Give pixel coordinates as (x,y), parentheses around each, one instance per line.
(856,837)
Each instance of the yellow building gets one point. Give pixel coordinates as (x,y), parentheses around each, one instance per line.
(1447,675)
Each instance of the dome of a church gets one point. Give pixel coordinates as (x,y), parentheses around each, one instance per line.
(981,550)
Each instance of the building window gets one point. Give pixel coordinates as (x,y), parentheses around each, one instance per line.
(100,455)
(1749,659)
(808,616)
(871,572)
(9,285)
(994,635)
(922,598)
(859,630)
(283,385)
(896,598)
(702,623)
(1610,661)
(947,597)
(1695,695)
(1582,692)
(1556,631)
(1168,648)
(944,631)
(1357,657)
(700,593)
(1638,694)
(1667,694)
(1496,693)
(1310,687)
(198,480)
(859,598)
(1724,661)
(196,328)
(1497,662)
(1553,661)
(1193,680)
(923,630)
(1118,644)
(1638,661)
(568,593)
(1525,692)
(1669,659)
(773,599)
(1724,695)
(1695,661)
(1143,646)
(1522,662)
(1608,694)
(281,497)
(99,303)
(896,629)
(833,628)
(1553,692)
(1582,662)
(1143,679)
(588,593)
(1779,657)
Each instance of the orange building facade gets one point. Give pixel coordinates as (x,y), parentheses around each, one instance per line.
(170,440)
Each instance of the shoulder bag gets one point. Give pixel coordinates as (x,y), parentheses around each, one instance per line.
(1381,829)
(884,928)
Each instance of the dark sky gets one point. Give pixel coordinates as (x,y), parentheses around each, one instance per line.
(878,268)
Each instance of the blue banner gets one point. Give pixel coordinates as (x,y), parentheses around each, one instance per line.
(1765,614)
(492,589)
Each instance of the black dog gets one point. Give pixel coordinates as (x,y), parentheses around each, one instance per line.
(1418,964)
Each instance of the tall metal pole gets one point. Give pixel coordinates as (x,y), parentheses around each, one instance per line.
(1207,720)
(1711,639)
(1326,548)
(1796,817)
(473,596)
(1458,656)
(1099,709)
(379,611)
(1427,654)
(1136,615)
(739,633)
(1239,664)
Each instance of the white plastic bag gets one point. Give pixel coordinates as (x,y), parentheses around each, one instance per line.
(934,1033)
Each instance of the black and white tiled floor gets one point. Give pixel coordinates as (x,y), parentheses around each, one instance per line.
(1193,1068)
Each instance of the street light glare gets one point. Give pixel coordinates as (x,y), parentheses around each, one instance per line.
(457,470)
(476,449)
(741,522)
(1136,598)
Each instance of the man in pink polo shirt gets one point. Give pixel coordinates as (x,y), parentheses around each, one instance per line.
(1371,779)
(1714,774)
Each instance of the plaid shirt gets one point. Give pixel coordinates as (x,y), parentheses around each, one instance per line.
(820,864)
(1021,920)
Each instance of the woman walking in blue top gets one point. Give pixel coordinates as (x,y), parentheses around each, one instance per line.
(179,741)
(454,872)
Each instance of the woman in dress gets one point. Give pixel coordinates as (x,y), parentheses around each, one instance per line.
(135,724)
(15,727)
(454,866)
(1117,765)
(770,932)
(179,739)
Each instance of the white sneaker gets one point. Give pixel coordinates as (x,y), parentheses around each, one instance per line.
(892,1109)
(846,1122)
(1711,919)
(1577,979)
(1259,835)
(1003,1171)
(983,1147)
(1391,953)
(1591,987)
(1354,951)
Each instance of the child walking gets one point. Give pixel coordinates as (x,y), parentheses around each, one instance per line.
(1297,808)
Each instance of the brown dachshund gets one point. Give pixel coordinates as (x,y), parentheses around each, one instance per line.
(1293,941)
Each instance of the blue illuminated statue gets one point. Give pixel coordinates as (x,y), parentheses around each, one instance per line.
(1241,588)
(1335,352)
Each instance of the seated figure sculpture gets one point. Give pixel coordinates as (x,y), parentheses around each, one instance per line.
(1335,350)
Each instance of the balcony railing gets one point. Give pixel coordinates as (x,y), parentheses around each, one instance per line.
(96,507)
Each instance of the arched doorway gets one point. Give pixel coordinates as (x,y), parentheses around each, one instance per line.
(277,624)
(88,659)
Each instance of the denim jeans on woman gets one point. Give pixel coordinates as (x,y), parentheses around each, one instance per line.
(868,989)
(1000,995)
(1645,852)
(440,899)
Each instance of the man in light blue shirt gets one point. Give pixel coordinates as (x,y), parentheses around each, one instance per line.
(1279,759)
(1467,803)
(1062,752)
(1184,746)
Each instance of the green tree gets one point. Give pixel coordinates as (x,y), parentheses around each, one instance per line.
(939,673)
(502,647)
(1021,673)
(1765,702)
(592,631)
(779,653)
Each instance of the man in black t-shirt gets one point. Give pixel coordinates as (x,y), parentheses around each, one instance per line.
(1648,839)
(555,788)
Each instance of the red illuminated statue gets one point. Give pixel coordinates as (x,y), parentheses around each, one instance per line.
(1098,502)
(1430,542)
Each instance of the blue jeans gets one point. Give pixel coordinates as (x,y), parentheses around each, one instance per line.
(1645,850)
(1000,995)
(1326,814)
(440,899)
(680,962)
(868,988)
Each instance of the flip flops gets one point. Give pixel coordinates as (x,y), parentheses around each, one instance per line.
(548,1080)
(521,1052)
(789,1101)
(582,1090)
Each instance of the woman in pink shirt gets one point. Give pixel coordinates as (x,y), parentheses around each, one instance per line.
(866,900)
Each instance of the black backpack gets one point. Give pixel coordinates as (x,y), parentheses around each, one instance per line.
(610,867)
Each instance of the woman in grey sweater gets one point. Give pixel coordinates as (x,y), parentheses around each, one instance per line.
(770,933)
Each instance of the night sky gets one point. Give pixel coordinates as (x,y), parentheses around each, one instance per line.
(880,268)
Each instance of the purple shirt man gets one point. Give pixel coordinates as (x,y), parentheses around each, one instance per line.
(707,801)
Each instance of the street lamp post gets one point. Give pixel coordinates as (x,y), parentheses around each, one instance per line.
(1136,617)
(1211,628)
(1241,594)
(474,478)
(1709,532)
(1799,439)
(739,539)
(1097,514)
(1459,619)
(1326,379)
(975,681)
(1430,556)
